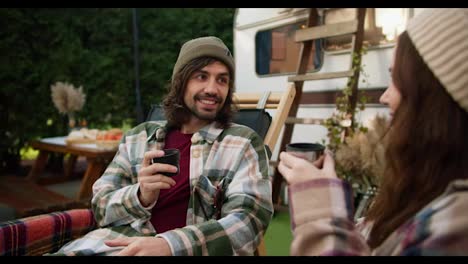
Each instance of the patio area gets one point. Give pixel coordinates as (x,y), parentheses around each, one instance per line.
(21,197)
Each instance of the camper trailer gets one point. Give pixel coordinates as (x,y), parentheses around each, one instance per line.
(266,54)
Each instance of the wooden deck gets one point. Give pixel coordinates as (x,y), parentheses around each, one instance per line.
(20,197)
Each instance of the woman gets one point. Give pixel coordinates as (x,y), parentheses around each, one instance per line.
(421,205)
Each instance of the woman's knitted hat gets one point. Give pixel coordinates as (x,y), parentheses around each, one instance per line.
(441,38)
(201,47)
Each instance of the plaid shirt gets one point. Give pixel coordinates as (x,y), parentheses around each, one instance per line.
(322,213)
(233,158)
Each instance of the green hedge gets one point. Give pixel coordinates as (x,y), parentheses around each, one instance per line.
(93,48)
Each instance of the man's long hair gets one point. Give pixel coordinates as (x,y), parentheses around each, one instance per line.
(428,145)
(177,112)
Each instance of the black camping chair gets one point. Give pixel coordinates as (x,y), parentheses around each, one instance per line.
(257,119)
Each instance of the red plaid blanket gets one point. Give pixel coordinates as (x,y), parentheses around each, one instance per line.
(46,233)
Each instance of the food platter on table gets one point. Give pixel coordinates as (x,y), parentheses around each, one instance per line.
(105,139)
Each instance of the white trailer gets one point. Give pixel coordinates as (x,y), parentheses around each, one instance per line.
(270,31)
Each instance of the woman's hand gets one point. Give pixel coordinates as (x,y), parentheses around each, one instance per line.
(150,179)
(296,170)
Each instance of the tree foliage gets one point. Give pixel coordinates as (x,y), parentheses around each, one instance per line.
(93,48)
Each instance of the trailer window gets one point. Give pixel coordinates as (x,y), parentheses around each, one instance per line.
(382,26)
(276,52)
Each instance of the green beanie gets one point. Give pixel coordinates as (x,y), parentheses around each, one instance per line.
(204,47)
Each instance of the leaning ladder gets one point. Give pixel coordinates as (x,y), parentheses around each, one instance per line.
(312,32)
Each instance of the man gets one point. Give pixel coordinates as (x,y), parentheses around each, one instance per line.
(219,203)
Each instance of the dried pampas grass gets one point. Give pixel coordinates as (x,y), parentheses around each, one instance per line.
(361,159)
(67,99)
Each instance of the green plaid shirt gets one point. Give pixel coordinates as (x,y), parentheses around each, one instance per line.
(234,158)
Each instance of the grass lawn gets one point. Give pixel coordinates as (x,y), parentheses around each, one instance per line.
(278,236)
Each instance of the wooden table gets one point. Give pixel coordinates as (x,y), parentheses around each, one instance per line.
(97,161)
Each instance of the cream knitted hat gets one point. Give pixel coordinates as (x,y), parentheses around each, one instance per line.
(201,47)
(441,38)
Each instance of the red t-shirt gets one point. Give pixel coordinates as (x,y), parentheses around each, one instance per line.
(170,211)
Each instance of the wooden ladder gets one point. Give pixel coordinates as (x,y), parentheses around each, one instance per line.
(312,32)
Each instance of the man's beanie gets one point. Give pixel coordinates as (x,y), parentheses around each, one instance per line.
(441,38)
(201,47)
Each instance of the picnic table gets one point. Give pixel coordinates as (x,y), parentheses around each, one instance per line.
(97,160)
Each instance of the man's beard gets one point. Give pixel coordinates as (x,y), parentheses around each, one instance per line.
(203,116)
(208,116)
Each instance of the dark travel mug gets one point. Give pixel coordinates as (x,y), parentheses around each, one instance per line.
(172,157)
(307,151)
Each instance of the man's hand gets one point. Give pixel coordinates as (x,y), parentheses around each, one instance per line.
(150,179)
(141,246)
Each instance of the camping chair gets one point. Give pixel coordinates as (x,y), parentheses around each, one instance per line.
(256,118)
(155,113)
(279,101)
(252,114)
